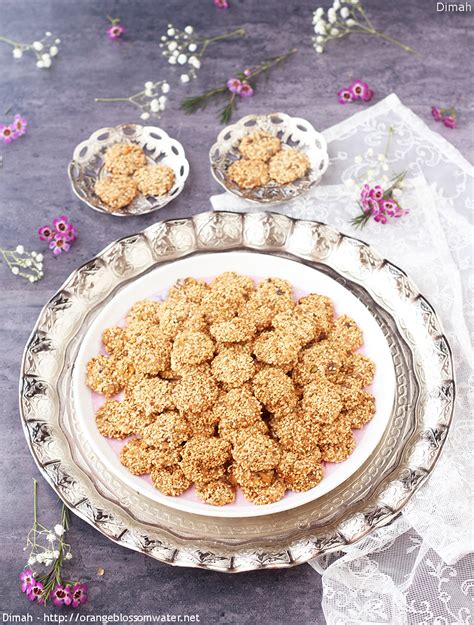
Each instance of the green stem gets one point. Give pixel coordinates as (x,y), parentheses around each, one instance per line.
(391,132)
(112,99)
(394,41)
(16,44)
(35,512)
(238,32)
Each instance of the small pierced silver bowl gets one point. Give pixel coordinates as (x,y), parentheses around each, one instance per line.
(293,132)
(87,166)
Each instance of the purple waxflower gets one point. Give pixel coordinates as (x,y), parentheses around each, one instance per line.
(234,85)
(376,193)
(449,121)
(436,113)
(7,133)
(19,124)
(390,207)
(380,217)
(365,192)
(61,595)
(345,96)
(360,90)
(46,233)
(221,4)
(61,224)
(246,90)
(34,592)
(59,244)
(115,31)
(27,579)
(79,594)
(71,233)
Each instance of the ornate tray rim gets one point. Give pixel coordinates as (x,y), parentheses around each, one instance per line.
(308,548)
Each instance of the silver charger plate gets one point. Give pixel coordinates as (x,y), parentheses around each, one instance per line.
(87,166)
(294,132)
(370,498)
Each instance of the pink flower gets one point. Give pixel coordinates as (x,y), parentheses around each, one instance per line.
(7,133)
(248,71)
(221,4)
(61,595)
(115,31)
(380,217)
(436,113)
(246,90)
(449,121)
(27,579)
(365,192)
(71,233)
(79,595)
(377,193)
(390,207)
(371,206)
(368,96)
(61,224)
(34,592)
(234,85)
(59,244)
(46,233)
(19,124)
(360,90)
(345,95)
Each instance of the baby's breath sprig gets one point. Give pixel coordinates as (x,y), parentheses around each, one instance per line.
(151,100)
(48,548)
(346,17)
(28,265)
(44,49)
(185,47)
(242,85)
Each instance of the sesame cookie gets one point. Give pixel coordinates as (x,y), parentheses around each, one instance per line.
(288,165)
(154,180)
(249,174)
(135,455)
(124,158)
(259,144)
(116,191)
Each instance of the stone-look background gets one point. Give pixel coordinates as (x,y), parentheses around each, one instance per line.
(60,108)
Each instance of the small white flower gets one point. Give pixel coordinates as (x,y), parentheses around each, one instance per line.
(184,78)
(358,159)
(189,30)
(154,106)
(355,1)
(48,34)
(48,562)
(319,49)
(40,557)
(145,116)
(149,85)
(336,5)
(46,60)
(53,51)
(17,53)
(334,31)
(51,537)
(192,47)
(59,530)
(32,279)
(56,553)
(370,152)
(57,41)
(20,249)
(170,32)
(172,46)
(194,62)
(351,22)
(38,46)
(39,257)
(345,12)
(182,58)
(162,102)
(385,167)
(381,157)
(172,60)
(31,560)
(39,64)
(320,28)
(68,556)
(164,38)
(165,88)
(332,17)
(318,14)
(15,270)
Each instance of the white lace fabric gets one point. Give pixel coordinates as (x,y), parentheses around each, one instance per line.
(419,570)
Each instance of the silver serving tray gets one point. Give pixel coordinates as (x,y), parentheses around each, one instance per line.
(371,498)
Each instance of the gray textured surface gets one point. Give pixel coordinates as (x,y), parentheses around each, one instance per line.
(34,189)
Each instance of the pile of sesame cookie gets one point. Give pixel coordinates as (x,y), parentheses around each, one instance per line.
(265,158)
(230,384)
(129,174)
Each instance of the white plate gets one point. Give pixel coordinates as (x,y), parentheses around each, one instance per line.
(304,279)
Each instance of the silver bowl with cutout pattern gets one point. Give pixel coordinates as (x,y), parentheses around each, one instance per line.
(87,166)
(294,132)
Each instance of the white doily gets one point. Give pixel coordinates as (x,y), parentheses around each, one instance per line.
(419,570)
